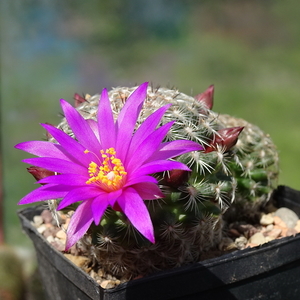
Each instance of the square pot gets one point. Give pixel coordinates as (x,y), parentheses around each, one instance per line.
(269,271)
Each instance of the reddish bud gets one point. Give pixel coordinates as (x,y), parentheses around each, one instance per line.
(78,99)
(39,173)
(207,97)
(226,138)
(176,178)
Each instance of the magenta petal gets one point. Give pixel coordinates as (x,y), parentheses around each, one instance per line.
(45,192)
(146,128)
(79,224)
(181,144)
(65,179)
(139,178)
(132,105)
(160,166)
(136,211)
(148,190)
(57,165)
(113,196)
(148,147)
(99,206)
(43,148)
(79,194)
(127,118)
(70,146)
(106,125)
(83,132)
(175,148)
(94,126)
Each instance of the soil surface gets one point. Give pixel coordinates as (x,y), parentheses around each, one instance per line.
(239,235)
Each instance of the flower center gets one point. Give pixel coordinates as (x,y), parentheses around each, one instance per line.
(110,174)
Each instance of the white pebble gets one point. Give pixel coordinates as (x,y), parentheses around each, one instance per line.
(61,235)
(50,238)
(289,217)
(257,238)
(266,220)
(269,227)
(41,228)
(38,220)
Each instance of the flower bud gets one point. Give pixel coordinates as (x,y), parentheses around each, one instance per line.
(225,138)
(39,173)
(78,99)
(176,178)
(207,97)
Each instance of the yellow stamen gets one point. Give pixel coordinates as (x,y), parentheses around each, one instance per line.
(111,174)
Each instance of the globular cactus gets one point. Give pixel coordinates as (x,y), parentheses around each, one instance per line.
(239,165)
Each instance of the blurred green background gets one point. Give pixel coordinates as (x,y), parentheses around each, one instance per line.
(51,49)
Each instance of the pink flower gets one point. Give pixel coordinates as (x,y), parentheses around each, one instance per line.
(110,163)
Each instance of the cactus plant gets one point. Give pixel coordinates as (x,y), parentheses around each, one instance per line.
(237,164)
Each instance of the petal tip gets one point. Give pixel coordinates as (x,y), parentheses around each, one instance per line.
(104,92)
(144,86)
(18,146)
(151,238)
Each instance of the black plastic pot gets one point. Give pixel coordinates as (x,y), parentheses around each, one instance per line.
(270,271)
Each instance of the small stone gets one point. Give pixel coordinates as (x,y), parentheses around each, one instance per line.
(37,220)
(50,231)
(58,245)
(240,242)
(278,221)
(80,261)
(274,233)
(61,235)
(107,284)
(92,273)
(297,227)
(266,219)
(101,273)
(50,239)
(289,217)
(283,230)
(47,216)
(269,227)
(291,232)
(41,228)
(257,238)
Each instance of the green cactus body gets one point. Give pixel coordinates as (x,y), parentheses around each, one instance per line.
(257,171)
(188,221)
